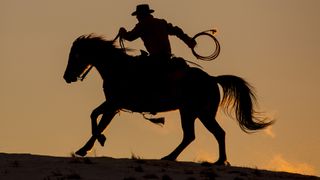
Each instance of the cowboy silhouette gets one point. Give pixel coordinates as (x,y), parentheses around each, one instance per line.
(154,33)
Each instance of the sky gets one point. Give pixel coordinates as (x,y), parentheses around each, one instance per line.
(274,45)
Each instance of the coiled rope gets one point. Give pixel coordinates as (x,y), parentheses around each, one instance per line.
(212,56)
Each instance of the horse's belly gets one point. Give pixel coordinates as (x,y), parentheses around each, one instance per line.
(146,104)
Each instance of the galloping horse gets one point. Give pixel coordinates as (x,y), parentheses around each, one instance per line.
(128,86)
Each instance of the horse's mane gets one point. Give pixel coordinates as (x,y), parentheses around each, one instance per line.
(93,42)
(93,38)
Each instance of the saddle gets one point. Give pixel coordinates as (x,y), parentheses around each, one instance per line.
(159,67)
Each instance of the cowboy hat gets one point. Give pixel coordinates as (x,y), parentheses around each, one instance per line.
(142,9)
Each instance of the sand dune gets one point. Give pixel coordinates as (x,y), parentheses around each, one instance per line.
(34,167)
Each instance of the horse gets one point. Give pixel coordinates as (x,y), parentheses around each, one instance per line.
(130,85)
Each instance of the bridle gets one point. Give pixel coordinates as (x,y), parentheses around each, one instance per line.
(85,73)
(121,42)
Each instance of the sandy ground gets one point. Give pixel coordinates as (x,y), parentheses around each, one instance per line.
(34,167)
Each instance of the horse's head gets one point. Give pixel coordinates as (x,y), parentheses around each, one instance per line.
(85,51)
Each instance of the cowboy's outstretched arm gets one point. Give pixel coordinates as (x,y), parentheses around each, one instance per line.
(175,30)
(129,35)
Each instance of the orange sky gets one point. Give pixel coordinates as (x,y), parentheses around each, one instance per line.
(272,44)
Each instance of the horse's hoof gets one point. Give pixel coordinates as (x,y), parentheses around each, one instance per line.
(227,163)
(81,153)
(168,158)
(222,163)
(102,139)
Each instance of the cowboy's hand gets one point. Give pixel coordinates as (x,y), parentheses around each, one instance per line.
(122,31)
(191,43)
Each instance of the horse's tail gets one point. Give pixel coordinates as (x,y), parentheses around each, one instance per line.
(238,94)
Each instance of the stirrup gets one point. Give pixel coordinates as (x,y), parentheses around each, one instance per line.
(143,53)
(159,121)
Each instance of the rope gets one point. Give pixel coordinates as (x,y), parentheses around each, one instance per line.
(121,42)
(209,33)
(158,121)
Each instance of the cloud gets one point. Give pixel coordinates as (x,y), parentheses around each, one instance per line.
(204,156)
(269,132)
(271,115)
(278,163)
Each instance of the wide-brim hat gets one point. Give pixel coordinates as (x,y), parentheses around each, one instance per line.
(142,9)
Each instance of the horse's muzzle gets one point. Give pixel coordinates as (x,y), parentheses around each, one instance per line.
(69,80)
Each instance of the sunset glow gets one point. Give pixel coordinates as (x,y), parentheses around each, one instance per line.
(274,45)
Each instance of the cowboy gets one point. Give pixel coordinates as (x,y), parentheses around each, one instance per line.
(154,33)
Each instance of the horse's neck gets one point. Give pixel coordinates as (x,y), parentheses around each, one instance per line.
(104,70)
(112,67)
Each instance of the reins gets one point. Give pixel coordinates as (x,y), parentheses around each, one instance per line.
(86,72)
(121,42)
(83,76)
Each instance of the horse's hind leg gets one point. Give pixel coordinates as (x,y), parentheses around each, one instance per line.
(209,121)
(187,122)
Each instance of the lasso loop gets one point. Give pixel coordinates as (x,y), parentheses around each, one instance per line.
(209,33)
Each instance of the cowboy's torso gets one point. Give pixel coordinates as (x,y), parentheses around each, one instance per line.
(154,33)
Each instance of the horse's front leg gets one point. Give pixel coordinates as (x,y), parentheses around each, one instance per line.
(94,116)
(108,112)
